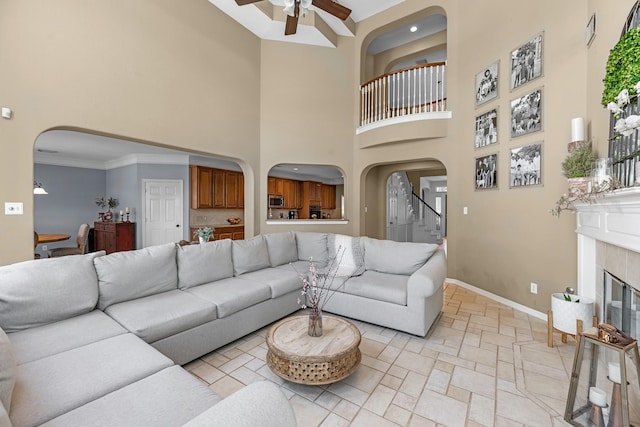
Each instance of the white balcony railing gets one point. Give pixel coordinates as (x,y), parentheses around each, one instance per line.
(415,90)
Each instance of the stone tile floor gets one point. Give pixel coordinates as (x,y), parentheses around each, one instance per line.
(483,364)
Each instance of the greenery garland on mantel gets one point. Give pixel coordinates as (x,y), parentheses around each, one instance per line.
(623,67)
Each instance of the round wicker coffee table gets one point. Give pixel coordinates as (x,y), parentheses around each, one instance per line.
(297,357)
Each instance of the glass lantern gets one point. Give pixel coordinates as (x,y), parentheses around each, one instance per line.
(605,382)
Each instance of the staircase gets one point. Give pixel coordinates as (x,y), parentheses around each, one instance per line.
(409,218)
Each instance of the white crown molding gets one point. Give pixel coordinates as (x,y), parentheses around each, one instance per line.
(131,159)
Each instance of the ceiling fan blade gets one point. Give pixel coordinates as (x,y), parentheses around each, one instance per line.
(243,2)
(333,8)
(291,26)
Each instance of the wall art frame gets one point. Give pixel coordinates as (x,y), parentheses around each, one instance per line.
(486,172)
(525,168)
(526,113)
(527,61)
(486,129)
(486,84)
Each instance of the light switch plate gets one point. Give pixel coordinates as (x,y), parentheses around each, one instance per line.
(13,208)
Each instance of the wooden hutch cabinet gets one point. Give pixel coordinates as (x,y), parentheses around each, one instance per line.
(114,236)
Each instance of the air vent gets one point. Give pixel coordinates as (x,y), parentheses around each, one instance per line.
(44,150)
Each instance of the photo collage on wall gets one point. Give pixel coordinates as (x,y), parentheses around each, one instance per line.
(525,117)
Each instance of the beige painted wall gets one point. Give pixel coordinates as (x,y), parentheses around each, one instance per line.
(185,75)
(160,71)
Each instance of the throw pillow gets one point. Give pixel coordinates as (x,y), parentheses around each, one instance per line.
(388,256)
(282,248)
(204,263)
(8,370)
(249,255)
(347,253)
(123,276)
(312,246)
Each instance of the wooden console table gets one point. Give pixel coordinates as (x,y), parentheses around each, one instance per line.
(297,357)
(114,236)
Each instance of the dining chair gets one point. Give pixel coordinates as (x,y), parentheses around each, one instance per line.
(81,240)
(36,255)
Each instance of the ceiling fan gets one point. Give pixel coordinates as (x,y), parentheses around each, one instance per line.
(293,9)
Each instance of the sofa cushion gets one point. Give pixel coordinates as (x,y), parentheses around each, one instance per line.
(379,286)
(347,253)
(170,397)
(7,370)
(204,263)
(282,248)
(38,292)
(249,255)
(49,387)
(123,276)
(279,280)
(312,246)
(387,256)
(36,343)
(232,295)
(161,315)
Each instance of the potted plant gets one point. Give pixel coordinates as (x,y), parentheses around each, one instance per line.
(203,234)
(566,310)
(577,168)
(108,204)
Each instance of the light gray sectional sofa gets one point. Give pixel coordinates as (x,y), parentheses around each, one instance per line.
(98,339)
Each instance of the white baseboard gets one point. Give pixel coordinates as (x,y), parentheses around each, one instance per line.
(501,300)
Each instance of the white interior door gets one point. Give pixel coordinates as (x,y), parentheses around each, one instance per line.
(163,222)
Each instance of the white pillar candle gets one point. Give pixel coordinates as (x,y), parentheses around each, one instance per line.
(577,129)
(614,372)
(598,396)
(121,213)
(126,209)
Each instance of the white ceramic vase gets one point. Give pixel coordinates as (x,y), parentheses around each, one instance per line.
(565,313)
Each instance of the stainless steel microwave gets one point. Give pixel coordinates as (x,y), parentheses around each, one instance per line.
(276,201)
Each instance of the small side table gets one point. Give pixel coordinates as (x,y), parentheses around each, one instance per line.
(297,357)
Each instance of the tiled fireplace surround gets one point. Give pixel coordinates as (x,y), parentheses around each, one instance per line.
(608,239)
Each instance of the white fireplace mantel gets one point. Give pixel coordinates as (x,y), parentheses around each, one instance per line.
(613,219)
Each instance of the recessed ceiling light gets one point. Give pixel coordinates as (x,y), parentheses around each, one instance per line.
(295,169)
(413,29)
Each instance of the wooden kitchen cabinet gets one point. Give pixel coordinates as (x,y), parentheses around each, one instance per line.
(216,188)
(234,233)
(114,236)
(219,189)
(201,187)
(328,199)
(231,189)
(271,185)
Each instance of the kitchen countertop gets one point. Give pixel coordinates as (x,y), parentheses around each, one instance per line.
(307,221)
(217,225)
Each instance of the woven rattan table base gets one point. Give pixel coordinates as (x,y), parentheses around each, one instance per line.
(297,357)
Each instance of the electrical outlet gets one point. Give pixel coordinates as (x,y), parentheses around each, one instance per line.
(534,288)
(44,248)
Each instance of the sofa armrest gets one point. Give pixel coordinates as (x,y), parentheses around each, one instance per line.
(260,404)
(427,279)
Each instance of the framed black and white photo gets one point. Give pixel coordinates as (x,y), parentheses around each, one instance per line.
(486,128)
(526,62)
(487,172)
(526,114)
(487,84)
(526,166)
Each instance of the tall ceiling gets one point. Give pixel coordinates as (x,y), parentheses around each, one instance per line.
(68,148)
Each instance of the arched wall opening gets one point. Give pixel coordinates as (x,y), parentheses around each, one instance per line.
(77,166)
